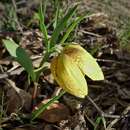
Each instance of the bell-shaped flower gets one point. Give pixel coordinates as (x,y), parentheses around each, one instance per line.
(70,66)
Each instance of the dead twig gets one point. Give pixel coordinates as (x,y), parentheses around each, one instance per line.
(16,70)
(127,109)
(100,111)
(102,114)
(90,33)
(113,61)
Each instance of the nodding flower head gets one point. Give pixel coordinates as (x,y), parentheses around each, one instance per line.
(70,67)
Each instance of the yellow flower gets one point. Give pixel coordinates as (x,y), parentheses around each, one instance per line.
(70,66)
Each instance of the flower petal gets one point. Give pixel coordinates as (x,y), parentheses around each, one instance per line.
(85,61)
(53,68)
(70,77)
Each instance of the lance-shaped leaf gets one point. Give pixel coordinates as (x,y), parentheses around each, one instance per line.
(61,25)
(72,26)
(21,56)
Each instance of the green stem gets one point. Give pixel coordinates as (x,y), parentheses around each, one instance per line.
(43,107)
(45,58)
(42,66)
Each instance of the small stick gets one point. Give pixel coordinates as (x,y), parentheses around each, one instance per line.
(127,109)
(101,112)
(113,61)
(56,91)
(103,115)
(90,33)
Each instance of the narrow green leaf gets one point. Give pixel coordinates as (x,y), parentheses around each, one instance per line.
(42,24)
(21,56)
(71,28)
(56,3)
(98,121)
(61,25)
(43,107)
(44,6)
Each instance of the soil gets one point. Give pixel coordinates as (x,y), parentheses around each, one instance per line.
(117,10)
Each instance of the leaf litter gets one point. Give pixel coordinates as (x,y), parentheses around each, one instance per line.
(112,95)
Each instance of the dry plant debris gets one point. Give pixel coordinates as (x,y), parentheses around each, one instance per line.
(112,95)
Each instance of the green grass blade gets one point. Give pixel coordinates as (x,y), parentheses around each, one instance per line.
(56,13)
(42,24)
(61,25)
(98,121)
(43,107)
(20,56)
(44,6)
(71,27)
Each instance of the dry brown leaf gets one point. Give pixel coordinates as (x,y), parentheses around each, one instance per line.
(55,112)
(22,129)
(26,127)
(17,98)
